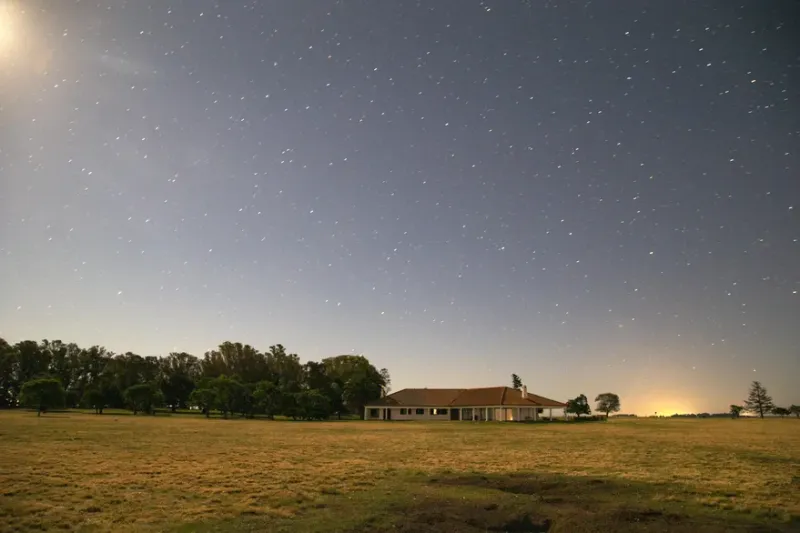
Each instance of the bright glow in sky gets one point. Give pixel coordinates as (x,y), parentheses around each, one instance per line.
(597,200)
(8,28)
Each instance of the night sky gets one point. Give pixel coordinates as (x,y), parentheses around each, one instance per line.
(597,196)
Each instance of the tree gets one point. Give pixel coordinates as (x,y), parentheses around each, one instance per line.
(736,411)
(387,382)
(312,405)
(94,398)
(42,394)
(579,406)
(8,381)
(267,398)
(607,403)
(795,410)
(143,397)
(781,411)
(361,389)
(355,382)
(205,399)
(758,401)
(516,382)
(228,392)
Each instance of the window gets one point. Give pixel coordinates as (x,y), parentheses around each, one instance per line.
(373,413)
(403,411)
(438,411)
(420,411)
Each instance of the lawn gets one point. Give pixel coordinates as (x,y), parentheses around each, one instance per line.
(183,473)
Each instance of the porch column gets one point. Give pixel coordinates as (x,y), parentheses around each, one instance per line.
(366,412)
(551,414)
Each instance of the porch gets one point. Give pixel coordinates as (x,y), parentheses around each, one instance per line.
(477,413)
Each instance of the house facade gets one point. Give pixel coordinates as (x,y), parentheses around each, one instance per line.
(489,403)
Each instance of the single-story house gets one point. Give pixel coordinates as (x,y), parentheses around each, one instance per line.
(489,403)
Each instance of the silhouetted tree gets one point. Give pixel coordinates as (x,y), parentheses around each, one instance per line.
(42,394)
(758,401)
(795,410)
(736,411)
(312,405)
(267,398)
(144,397)
(781,411)
(607,403)
(204,398)
(579,406)
(516,382)
(8,382)
(228,393)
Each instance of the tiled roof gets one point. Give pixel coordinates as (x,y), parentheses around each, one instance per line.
(465,398)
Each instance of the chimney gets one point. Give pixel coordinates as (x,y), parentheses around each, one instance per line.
(524,391)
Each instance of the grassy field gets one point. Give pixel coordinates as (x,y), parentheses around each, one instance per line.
(81,472)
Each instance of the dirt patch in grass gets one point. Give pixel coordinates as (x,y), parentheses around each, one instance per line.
(108,473)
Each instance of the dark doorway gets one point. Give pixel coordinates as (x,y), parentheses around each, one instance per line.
(454,414)
(388,414)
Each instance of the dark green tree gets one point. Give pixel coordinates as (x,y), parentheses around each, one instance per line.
(31,363)
(143,397)
(8,380)
(227,392)
(579,406)
(516,382)
(361,389)
(204,398)
(607,403)
(736,411)
(781,411)
(179,372)
(312,405)
(42,394)
(758,401)
(267,398)
(795,410)
(95,398)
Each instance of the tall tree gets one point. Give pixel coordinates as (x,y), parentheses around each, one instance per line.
(361,389)
(795,410)
(516,382)
(267,398)
(356,380)
(607,403)
(32,363)
(579,406)
(204,398)
(312,405)
(758,401)
(144,397)
(91,363)
(781,411)
(63,359)
(736,411)
(8,380)
(42,394)
(387,382)
(227,392)
(179,372)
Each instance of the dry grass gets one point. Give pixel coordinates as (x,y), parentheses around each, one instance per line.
(78,471)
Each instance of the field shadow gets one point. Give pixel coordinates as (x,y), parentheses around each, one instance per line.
(536,503)
(517,503)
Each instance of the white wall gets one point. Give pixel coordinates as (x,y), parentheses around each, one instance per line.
(414,416)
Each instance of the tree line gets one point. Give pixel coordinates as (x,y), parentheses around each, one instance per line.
(234,379)
(760,403)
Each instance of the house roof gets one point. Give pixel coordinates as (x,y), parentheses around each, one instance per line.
(465,398)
